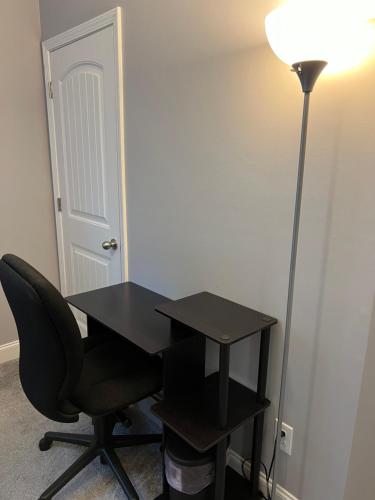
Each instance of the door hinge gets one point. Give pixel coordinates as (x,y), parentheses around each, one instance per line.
(59,205)
(50,90)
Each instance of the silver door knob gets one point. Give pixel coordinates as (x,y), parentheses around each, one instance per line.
(110,245)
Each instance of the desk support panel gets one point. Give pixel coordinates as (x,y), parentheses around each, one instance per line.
(184,366)
(96,328)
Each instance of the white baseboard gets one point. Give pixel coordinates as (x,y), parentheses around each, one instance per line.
(235,461)
(9,351)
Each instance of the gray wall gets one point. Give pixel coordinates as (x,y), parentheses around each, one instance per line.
(360,483)
(26,224)
(212,142)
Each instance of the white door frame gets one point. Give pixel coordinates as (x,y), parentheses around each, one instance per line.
(111,18)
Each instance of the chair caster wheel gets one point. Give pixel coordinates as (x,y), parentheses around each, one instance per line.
(124,419)
(127,423)
(45,444)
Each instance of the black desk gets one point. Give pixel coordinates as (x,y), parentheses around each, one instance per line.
(202,410)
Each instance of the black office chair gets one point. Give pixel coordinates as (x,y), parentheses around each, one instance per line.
(63,374)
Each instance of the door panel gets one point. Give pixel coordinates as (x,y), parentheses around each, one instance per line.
(90,270)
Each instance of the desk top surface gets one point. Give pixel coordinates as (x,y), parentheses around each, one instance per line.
(129,310)
(143,317)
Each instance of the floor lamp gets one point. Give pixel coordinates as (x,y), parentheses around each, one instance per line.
(300,38)
(308,72)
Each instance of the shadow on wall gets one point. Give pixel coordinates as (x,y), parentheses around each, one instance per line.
(359,483)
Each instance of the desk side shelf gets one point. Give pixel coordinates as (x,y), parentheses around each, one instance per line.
(204,411)
(193,416)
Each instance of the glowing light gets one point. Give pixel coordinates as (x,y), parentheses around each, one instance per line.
(336,31)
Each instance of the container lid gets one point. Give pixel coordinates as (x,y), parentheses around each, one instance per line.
(183,454)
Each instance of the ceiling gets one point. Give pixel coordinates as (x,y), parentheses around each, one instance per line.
(170,30)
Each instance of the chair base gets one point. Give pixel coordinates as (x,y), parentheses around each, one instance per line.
(101,444)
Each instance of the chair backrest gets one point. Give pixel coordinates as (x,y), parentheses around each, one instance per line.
(51,351)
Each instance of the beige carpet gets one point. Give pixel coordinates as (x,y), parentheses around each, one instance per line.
(25,472)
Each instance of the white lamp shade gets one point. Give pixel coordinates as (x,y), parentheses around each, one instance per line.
(315,30)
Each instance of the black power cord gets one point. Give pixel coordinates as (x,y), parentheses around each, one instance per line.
(267,472)
(244,462)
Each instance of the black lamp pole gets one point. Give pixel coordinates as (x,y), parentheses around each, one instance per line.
(308,72)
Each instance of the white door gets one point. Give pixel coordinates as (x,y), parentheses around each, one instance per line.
(85,115)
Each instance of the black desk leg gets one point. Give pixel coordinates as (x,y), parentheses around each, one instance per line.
(220,469)
(165,482)
(256,456)
(221,448)
(92,327)
(224,385)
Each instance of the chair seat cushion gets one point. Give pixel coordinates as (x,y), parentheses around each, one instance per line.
(115,374)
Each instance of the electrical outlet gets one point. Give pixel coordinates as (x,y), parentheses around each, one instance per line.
(286,442)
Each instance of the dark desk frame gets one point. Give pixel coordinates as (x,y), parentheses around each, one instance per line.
(202,410)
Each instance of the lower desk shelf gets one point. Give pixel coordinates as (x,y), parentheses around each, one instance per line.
(194,416)
(237,488)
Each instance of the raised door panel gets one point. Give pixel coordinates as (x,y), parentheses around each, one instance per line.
(90,270)
(81,97)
